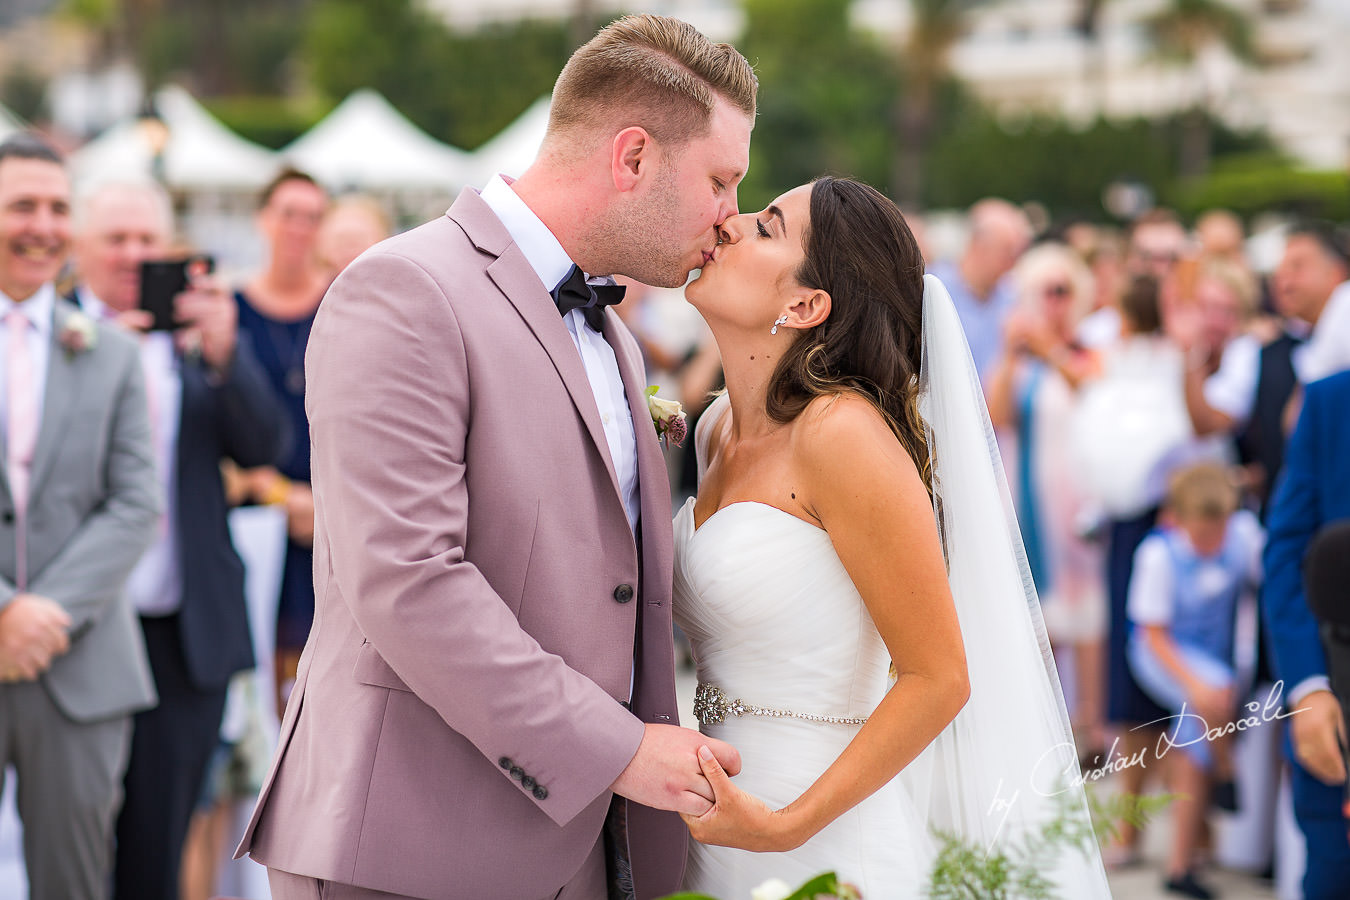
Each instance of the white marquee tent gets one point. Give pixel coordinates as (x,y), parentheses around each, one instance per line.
(367,144)
(515,146)
(199,154)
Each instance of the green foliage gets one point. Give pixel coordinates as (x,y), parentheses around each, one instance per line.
(1255,183)
(460,87)
(1065,168)
(824,99)
(24,91)
(268,120)
(247,47)
(826,886)
(1014,870)
(1183,27)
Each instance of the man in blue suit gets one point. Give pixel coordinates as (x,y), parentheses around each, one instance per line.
(1313,491)
(209,400)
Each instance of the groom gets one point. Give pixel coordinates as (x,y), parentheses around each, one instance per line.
(490,662)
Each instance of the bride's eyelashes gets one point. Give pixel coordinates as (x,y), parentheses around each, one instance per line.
(759,227)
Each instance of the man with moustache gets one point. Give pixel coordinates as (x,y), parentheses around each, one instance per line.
(486,704)
(209,400)
(78,506)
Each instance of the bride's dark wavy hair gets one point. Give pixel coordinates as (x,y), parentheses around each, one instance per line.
(861,252)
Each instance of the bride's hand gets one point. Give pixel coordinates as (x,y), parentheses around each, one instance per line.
(737,819)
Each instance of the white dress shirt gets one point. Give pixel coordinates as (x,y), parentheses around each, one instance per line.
(39,308)
(156,584)
(1328,348)
(1232,389)
(551,263)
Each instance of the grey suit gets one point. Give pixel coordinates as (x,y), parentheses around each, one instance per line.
(93,507)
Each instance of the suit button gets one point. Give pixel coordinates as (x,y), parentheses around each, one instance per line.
(8,517)
(623,593)
(528,782)
(541,793)
(517,772)
(505,762)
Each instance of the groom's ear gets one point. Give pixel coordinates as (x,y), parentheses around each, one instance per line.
(809,309)
(631,155)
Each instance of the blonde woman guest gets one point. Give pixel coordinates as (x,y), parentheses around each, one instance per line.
(1032,397)
(354,224)
(276,310)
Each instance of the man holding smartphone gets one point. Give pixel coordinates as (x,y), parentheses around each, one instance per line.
(208,400)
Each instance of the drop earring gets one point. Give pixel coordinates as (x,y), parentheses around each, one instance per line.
(782,320)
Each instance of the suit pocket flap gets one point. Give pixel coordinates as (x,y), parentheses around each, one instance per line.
(371,669)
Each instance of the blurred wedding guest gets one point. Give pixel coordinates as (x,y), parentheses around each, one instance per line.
(1189,576)
(1313,275)
(1032,393)
(352,225)
(276,311)
(1222,358)
(1221,235)
(1156,242)
(978,282)
(209,400)
(1312,492)
(80,506)
(1129,427)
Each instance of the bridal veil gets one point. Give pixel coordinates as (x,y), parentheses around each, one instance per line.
(1006,766)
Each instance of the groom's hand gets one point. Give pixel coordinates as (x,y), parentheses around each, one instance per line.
(665,772)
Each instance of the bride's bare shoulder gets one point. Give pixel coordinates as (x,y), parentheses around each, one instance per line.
(846,433)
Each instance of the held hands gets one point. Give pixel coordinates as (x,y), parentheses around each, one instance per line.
(32,634)
(1318,732)
(736,819)
(665,772)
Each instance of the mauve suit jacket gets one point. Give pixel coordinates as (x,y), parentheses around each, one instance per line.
(480,602)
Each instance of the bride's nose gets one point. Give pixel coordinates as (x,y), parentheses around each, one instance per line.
(731,230)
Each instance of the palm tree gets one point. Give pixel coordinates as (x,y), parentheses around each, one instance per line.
(1181,33)
(924,63)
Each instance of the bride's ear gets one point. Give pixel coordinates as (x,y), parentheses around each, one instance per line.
(809,309)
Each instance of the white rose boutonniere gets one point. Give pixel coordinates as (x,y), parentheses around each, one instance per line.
(667,416)
(78,334)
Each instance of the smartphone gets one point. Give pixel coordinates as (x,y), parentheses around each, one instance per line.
(164,279)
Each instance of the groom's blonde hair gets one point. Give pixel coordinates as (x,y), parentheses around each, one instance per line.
(651,71)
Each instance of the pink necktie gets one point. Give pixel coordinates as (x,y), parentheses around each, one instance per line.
(22,429)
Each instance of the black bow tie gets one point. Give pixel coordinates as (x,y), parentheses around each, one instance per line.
(591,299)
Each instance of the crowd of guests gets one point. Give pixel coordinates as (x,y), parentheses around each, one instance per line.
(1144,386)
(1172,423)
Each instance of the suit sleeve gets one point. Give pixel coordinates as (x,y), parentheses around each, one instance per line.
(1295,514)
(91,570)
(248,414)
(389,406)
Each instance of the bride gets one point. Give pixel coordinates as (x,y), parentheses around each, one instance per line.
(812,562)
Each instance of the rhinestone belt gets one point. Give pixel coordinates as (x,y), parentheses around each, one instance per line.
(712,706)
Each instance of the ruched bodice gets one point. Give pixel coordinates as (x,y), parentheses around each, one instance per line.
(774,615)
(775,621)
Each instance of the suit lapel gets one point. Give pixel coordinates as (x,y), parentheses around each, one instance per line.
(513,275)
(62,392)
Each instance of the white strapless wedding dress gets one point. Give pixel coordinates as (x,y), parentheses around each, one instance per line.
(776,622)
